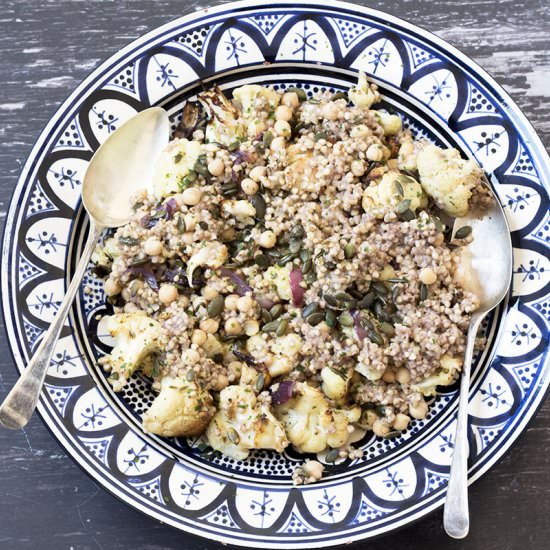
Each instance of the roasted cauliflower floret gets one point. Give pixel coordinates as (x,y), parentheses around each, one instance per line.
(180,409)
(279,278)
(244,422)
(448,178)
(223,125)
(363,94)
(391,124)
(310,424)
(450,368)
(105,253)
(335,383)
(394,187)
(254,99)
(136,337)
(279,355)
(243,211)
(212,254)
(174,165)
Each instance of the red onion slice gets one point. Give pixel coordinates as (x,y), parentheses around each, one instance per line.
(146,274)
(283,393)
(359,330)
(240,283)
(298,292)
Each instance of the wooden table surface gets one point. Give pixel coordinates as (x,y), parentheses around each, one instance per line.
(47,47)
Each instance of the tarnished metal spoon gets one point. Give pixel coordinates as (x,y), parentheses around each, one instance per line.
(121,166)
(491,253)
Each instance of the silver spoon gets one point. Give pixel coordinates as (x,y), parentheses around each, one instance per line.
(491,252)
(121,166)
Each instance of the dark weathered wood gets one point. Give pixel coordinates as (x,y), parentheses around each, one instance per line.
(47,47)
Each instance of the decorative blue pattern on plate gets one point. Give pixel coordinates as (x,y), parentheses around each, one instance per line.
(442,96)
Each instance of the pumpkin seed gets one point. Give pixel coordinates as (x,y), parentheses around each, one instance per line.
(297,232)
(407,216)
(345,319)
(463,232)
(367,323)
(261,260)
(276,311)
(309,309)
(282,328)
(128,241)
(190,376)
(366,301)
(397,280)
(315,318)
(201,169)
(391,435)
(379,311)
(182,228)
(266,316)
(267,139)
(332,456)
(305,255)
(349,251)
(258,202)
(399,188)
(331,300)
(380,410)
(215,307)
(395,293)
(403,206)
(233,436)
(260,382)
(138,262)
(294,246)
(319,136)
(306,268)
(380,288)
(437,223)
(230,192)
(271,327)
(355,293)
(343,297)
(233,146)
(286,259)
(375,337)
(339,95)
(330,318)
(314,101)
(387,328)
(396,320)
(331,266)
(298,91)
(203,225)
(423,292)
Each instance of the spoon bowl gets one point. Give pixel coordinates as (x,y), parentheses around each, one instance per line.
(121,166)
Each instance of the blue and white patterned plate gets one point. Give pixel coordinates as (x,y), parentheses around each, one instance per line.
(443,96)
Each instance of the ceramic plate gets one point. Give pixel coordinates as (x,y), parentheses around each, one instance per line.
(442,96)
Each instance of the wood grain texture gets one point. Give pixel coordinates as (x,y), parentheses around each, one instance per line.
(47,48)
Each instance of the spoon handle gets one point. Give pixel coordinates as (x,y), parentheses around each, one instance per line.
(456,519)
(17,408)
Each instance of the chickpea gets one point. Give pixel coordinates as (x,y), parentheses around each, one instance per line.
(232,326)
(152,247)
(227,235)
(220,382)
(388,376)
(282,128)
(209,293)
(191,196)
(249,186)
(278,144)
(216,167)
(112,287)
(231,302)
(184,301)
(283,112)
(330,110)
(244,303)
(167,294)
(419,410)
(357,168)
(209,325)
(313,467)
(251,327)
(198,337)
(401,422)
(380,427)
(267,239)
(375,153)
(191,356)
(290,99)
(403,376)
(427,276)
(257,173)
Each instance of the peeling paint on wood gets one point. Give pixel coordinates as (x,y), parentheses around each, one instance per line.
(49,46)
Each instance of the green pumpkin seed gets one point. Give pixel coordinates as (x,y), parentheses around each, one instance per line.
(397,280)
(366,301)
(203,226)
(266,316)
(463,232)
(276,311)
(282,328)
(294,246)
(332,456)
(355,293)
(331,300)
(297,232)
(319,136)
(345,319)
(380,288)
(182,228)
(407,216)
(423,292)
(190,376)
(315,318)
(258,202)
(349,251)
(201,169)
(260,382)
(302,96)
(286,259)
(306,268)
(437,224)
(267,139)
(233,436)
(391,435)
(330,318)
(305,255)
(343,297)
(403,206)
(395,293)
(314,101)
(387,328)
(367,323)
(375,338)
(399,188)
(261,260)
(137,262)
(309,309)
(215,307)
(271,327)
(233,146)
(331,266)
(396,320)
(128,241)
(339,95)
(380,410)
